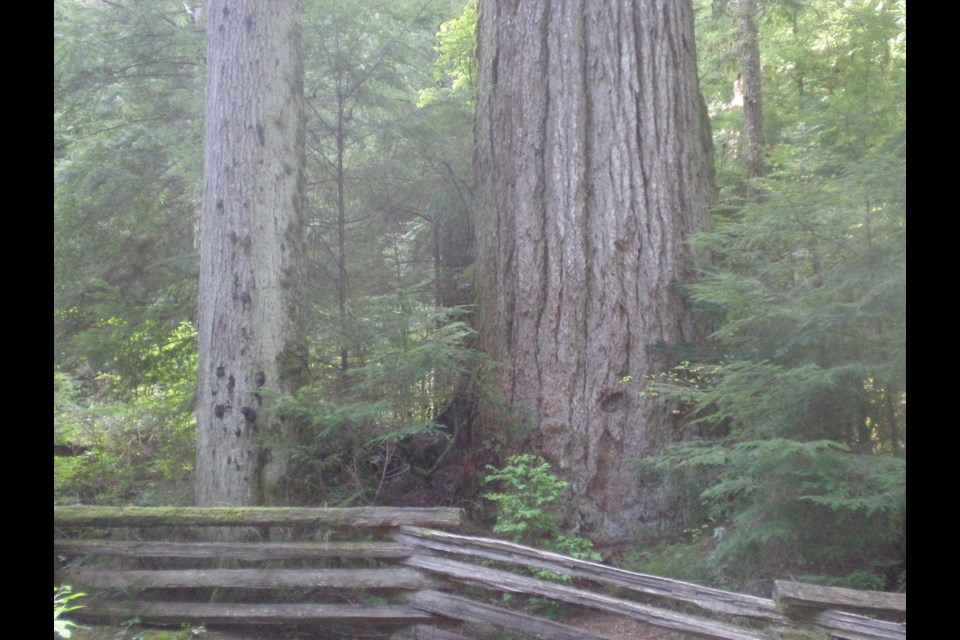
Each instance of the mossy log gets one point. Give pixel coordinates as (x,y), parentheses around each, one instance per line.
(233,550)
(366,517)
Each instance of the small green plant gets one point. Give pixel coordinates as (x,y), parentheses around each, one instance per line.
(528,507)
(62,597)
(529,494)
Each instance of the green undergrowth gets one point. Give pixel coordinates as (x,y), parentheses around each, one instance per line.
(684,558)
(528,510)
(528,506)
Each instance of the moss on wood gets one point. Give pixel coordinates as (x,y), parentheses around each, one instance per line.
(98,516)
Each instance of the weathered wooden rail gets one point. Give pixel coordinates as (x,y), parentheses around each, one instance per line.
(411,568)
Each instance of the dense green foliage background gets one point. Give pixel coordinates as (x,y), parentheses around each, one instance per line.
(794,456)
(128,131)
(797,405)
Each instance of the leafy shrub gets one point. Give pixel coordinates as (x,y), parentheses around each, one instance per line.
(527,501)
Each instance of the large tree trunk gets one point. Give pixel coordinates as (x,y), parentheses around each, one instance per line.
(593,169)
(251,248)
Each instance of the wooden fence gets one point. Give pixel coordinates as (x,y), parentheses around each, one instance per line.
(151,564)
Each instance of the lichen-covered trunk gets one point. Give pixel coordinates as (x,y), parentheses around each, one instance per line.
(250,249)
(592,171)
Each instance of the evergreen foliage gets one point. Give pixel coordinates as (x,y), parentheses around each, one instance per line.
(127,169)
(128,102)
(128,79)
(363,440)
(796,407)
(789,507)
(798,403)
(133,439)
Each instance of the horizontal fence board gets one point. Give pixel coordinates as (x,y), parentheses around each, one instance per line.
(391,578)
(423,573)
(512,621)
(846,626)
(813,595)
(232,613)
(426,632)
(232,550)
(709,599)
(849,626)
(504,581)
(96,516)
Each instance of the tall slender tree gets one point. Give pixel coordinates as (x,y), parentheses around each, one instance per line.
(251,248)
(592,170)
(752,90)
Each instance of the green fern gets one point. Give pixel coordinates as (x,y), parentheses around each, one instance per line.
(62,597)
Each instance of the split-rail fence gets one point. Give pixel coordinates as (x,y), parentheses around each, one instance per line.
(395,568)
